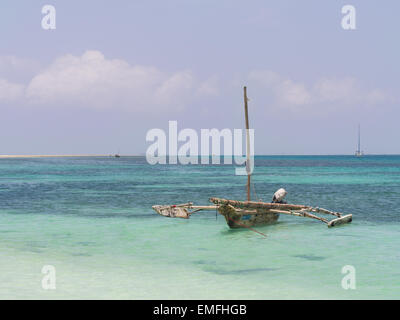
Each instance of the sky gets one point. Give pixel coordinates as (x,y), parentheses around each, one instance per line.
(113,70)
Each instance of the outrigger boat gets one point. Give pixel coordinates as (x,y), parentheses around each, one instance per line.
(246,214)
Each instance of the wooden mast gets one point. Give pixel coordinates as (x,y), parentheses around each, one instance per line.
(247,143)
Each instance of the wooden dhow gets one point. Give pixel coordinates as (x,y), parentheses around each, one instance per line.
(250,213)
(246,214)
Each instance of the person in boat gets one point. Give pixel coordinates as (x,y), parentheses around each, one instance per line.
(279,195)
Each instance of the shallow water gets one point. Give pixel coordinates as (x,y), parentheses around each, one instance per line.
(91,218)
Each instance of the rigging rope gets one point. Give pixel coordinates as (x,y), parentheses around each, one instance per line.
(255,193)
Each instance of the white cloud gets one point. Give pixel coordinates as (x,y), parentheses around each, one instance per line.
(293,93)
(175,88)
(10,91)
(91,80)
(285,90)
(335,89)
(348,91)
(345,91)
(209,87)
(378,96)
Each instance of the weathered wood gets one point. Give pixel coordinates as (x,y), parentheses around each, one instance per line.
(237,218)
(203,207)
(174,211)
(180,210)
(342,220)
(299,214)
(257,213)
(258,205)
(322,210)
(180,205)
(291,213)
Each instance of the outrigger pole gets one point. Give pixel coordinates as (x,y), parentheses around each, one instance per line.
(180,210)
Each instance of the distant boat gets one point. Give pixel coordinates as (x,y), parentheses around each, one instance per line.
(358,152)
(117,155)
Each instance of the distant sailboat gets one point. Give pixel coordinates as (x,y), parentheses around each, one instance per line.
(358,152)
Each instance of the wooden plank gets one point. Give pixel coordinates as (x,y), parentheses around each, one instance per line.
(322,210)
(299,214)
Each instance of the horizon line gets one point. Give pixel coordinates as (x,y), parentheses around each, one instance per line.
(6,156)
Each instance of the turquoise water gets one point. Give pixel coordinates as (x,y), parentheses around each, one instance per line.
(91,218)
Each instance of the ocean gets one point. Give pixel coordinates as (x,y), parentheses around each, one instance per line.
(90,218)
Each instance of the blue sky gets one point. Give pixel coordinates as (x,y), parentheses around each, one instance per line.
(112,70)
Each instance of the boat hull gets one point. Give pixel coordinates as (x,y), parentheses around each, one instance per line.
(237,218)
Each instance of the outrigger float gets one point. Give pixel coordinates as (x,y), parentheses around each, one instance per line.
(246,214)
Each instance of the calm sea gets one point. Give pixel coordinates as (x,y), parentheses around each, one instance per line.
(91,219)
